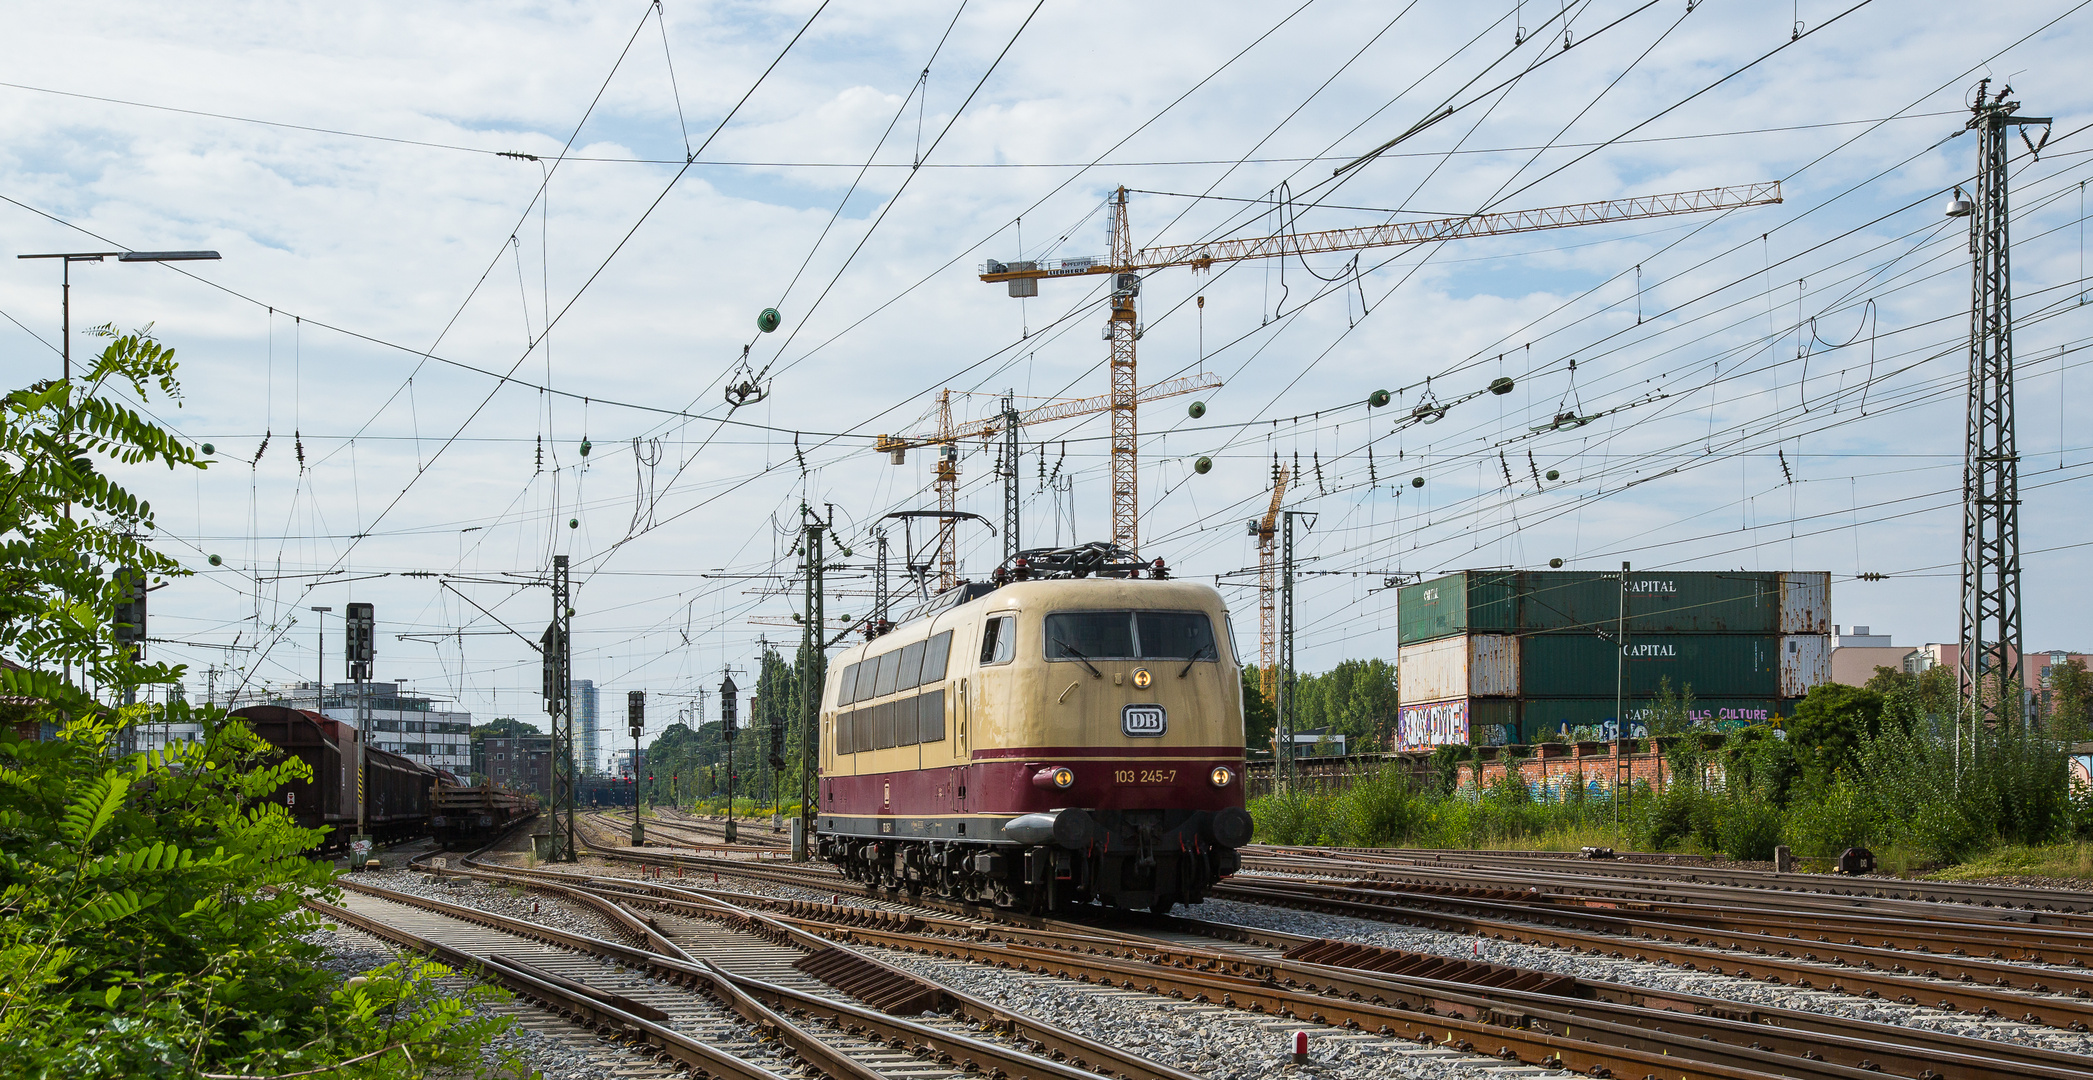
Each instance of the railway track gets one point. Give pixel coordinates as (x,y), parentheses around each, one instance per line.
(1567,870)
(1334,985)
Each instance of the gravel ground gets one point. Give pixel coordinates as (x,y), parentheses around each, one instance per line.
(1637,973)
(517,903)
(572,1055)
(1212,1041)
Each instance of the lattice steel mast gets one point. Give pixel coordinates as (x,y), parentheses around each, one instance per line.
(1991,618)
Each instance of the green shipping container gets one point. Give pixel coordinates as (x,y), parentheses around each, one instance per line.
(1701,602)
(1585,665)
(1473,600)
(1544,601)
(1591,719)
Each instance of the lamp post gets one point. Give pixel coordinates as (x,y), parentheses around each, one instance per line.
(320,632)
(68,258)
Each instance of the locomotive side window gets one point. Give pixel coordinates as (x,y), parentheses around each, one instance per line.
(905,712)
(930,717)
(935,653)
(911,667)
(847,686)
(1130,635)
(999,640)
(844,745)
(1175,635)
(866,671)
(883,683)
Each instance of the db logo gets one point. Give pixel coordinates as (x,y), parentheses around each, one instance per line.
(1143,721)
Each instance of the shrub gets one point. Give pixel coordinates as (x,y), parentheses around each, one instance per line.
(1379,809)
(1829,823)
(1293,815)
(1748,828)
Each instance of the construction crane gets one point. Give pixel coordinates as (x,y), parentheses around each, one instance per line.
(1125,266)
(1268,628)
(949,435)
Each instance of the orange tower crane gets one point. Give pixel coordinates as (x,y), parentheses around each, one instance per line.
(1268,628)
(1125,265)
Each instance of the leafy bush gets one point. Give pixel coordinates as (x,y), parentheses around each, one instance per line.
(1380,808)
(1827,824)
(1293,815)
(151,919)
(1747,828)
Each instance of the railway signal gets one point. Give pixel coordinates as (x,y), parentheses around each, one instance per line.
(361,650)
(729,713)
(130,612)
(635,722)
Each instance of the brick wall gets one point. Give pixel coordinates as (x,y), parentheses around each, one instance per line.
(1549,769)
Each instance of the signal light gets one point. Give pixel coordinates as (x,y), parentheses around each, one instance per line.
(1056,776)
(1222,776)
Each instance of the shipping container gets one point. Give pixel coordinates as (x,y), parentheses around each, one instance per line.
(1593,719)
(1710,665)
(1682,602)
(1459,722)
(1463,666)
(1805,602)
(1805,662)
(1472,600)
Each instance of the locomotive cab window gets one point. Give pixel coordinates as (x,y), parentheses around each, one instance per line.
(999,640)
(1130,635)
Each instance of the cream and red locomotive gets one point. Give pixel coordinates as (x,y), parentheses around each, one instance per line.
(1070,733)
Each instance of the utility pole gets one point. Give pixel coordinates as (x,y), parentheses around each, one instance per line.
(1283,711)
(1991,640)
(1010,462)
(813,676)
(636,722)
(558,684)
(320,633)
(879,582)
(1621,769)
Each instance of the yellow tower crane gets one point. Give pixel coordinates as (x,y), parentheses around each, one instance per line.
(1125,265)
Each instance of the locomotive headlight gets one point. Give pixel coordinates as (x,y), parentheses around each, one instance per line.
(1222,776)
(1142,678)
(1058,776)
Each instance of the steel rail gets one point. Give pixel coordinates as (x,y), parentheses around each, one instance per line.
(1613,1015)
(2074,1015)
(598,1009)
(1973,893)
(943,1046)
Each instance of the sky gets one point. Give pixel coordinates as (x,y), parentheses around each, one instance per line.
(406,195)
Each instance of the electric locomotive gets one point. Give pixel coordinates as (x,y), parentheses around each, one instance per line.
(1070,732)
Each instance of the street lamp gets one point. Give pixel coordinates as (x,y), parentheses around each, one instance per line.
(68,258)
(320,631)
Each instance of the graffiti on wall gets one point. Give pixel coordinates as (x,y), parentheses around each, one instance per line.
(1439,724)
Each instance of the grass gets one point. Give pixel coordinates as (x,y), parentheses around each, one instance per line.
(2072,860)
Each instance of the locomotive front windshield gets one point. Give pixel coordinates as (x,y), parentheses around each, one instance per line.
(1130,635)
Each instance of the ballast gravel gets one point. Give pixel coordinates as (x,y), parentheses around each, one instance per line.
(1209,1040)
(513,901)
(1639,973)
(572,1053)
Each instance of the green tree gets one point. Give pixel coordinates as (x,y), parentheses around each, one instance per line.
(2070,716)
(1828,727)
(151,918)
(1258,716)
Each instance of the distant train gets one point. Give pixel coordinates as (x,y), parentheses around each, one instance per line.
(403,798)
(1070,733)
